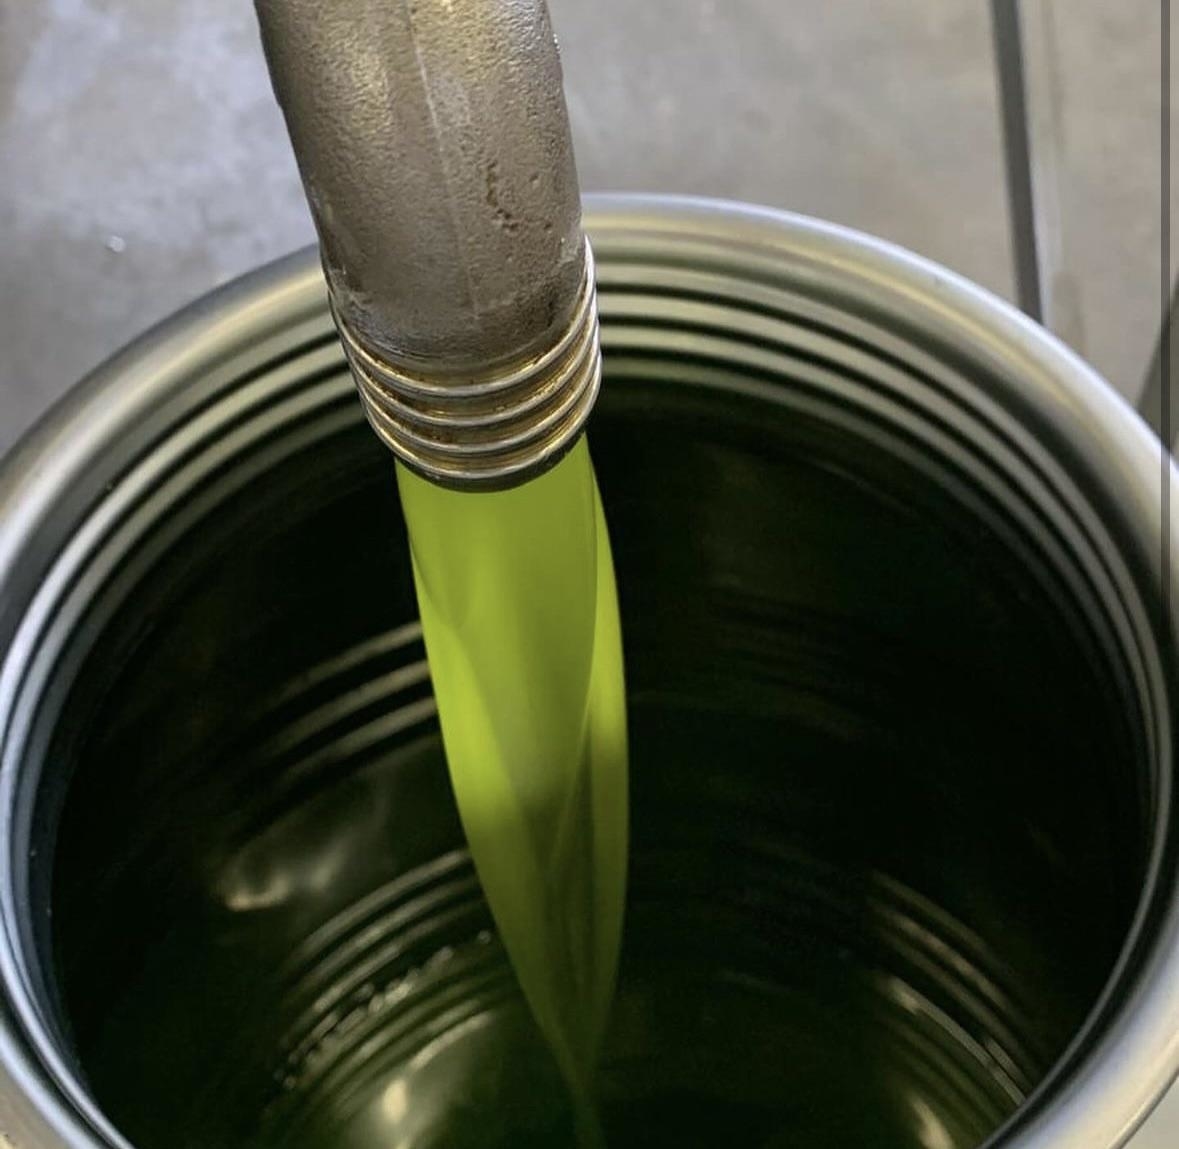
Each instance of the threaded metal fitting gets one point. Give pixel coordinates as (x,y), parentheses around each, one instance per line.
(434,145)
(491,429)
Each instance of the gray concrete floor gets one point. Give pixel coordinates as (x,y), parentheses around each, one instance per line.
(142,160)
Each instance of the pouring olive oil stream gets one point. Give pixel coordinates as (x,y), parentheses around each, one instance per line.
(434,146)
(520,616)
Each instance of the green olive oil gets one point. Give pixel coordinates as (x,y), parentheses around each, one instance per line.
(520,615)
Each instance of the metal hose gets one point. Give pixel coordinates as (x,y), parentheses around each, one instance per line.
(434,146)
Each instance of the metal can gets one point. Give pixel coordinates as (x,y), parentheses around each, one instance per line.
(901,662)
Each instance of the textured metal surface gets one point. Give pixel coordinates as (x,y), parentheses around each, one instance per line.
(439,170)
(876,535)
(492,428)
(436,154)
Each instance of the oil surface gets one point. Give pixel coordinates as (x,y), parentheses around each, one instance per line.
(520,618)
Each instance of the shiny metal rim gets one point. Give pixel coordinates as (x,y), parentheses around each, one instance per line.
(254,372)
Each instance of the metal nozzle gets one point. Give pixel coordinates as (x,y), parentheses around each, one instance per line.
(434,146)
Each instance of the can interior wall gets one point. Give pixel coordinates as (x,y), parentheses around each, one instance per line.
(900,769)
